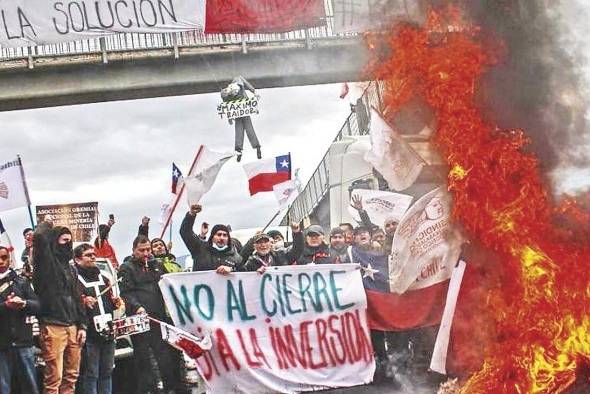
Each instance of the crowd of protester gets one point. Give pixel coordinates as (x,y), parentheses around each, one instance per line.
(64,288)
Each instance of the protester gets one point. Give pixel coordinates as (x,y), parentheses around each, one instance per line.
(378,239)
(167,259)
(140,291)
(62,316)
(390,226)
(26,255)
(316,251)
(278,241)
(218,253)
(102,247)
(265,256)
(98,355)
(17,302)
(362,238)
(144,227)
(338,246)
(348,232)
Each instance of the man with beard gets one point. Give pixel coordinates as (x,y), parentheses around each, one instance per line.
(140,291)
(17,302)
(62,316)
(98,355)
(338,246)
(265,256)
(218,253)
(316,251)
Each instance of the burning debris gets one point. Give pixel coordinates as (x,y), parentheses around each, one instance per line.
(536,317)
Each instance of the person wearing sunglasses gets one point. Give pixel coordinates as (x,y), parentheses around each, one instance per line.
(17,302)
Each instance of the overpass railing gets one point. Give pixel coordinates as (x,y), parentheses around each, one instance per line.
(319,183)
(158,41)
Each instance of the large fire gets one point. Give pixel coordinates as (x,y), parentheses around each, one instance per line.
(540,323)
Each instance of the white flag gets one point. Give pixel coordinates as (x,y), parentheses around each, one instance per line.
(286,192)
(426,246)
(165,211)
(202,177)
(13,192)
(380,205)
(391,156)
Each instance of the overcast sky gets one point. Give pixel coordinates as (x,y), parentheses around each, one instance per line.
(120,155)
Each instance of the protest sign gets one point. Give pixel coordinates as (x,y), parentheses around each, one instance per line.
(80,218)
(380,205)
(26,22)
(426,246)
(238,108)
(292,329)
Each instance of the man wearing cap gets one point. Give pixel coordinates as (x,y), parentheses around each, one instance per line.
(316,251)
(218,253)
(338,246)
(265,256)
(277,239)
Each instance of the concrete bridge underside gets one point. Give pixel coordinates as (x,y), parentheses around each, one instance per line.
(125,75)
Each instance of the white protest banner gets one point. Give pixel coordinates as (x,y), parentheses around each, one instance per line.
(381,205)
(292,329)
(438,361)
(426,246)
(26,22)
(239,108)
(80,218)
(362,15)
(13,190)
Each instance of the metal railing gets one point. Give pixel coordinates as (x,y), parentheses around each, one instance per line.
(319,183)
(158,41)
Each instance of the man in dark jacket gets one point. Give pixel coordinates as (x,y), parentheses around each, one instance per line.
(264,256)
(316,251)
(140,291)
(98,355)
(217,253)
(17,302)
(62,316)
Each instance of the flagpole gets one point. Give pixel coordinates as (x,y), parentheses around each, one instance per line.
(170,233)
(22,174)
(180,192)
(270,221)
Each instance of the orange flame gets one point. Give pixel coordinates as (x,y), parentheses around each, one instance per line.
(541,319)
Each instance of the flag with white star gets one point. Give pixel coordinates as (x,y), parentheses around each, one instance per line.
(264,174)
(387,311)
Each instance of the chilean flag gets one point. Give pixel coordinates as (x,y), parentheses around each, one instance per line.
(387,311)
(177,179)
(264,174)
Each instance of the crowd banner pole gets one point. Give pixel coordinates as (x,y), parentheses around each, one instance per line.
(180,192)
(22,173)
(271,220)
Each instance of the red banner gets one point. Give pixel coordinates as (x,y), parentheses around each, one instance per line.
(262,16)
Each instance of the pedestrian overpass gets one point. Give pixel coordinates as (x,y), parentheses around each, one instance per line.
(134,65)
